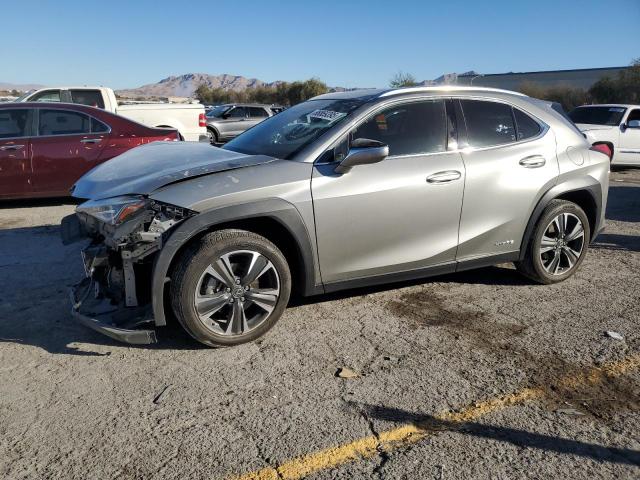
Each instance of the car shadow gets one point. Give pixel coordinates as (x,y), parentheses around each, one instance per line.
(38,202)
(496,275)
(517,437)
(610,241)
(623,203)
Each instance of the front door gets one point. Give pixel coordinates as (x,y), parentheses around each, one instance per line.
(395,216)
(64,149)
(15,158)
(511,162)
(629,149)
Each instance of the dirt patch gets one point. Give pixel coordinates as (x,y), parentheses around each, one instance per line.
(586,390)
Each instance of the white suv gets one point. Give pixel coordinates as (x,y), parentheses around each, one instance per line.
(614,126)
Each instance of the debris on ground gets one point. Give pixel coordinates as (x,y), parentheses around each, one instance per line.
(162,393)
(614,335)
(569,411)
(344,372)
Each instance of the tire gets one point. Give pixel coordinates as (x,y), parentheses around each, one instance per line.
(559,254)
(213,136)
(216,274)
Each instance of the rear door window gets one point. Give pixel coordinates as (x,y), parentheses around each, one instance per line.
(488,123)
(13,123)
(92,98)
(238,112)
(63,122)
(46,96)
(408,129)
(257,112)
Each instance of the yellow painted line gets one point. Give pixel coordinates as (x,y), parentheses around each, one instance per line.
(404,435)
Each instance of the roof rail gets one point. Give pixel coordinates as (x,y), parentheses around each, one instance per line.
(447,88)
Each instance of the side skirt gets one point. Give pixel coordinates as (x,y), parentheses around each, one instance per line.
(427,272)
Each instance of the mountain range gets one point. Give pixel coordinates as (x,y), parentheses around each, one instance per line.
(186,85)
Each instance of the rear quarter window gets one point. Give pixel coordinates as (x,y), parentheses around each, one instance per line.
(526,126)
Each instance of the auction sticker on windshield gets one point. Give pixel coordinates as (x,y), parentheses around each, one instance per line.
(328,115)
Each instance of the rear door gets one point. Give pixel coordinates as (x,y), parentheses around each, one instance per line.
(256,115)
(510,162)
(629,149)
(15,161)
(68,144)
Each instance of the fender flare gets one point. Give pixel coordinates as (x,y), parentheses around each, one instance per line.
(274,208)
(588,184)
(215,130)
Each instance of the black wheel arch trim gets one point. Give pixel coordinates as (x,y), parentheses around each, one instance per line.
(584,184)
(274,208)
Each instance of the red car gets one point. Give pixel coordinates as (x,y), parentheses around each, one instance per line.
(46,147)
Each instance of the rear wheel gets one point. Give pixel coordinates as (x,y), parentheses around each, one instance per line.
(213,137)
(231,288)
(558,245)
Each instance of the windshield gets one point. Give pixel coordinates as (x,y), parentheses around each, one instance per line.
(216,112)
(598,115)
(285,134)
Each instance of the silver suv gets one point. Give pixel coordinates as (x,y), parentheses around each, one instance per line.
(345,190)
(225,122)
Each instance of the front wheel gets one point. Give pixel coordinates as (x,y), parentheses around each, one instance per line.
(230,288)
(558,245)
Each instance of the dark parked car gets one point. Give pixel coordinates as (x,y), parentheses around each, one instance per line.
(46,147)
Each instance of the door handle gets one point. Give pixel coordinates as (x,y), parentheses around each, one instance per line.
(11,147)
(534,161)
(444,177)
(91,140)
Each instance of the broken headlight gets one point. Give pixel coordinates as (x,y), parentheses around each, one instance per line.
(115,210)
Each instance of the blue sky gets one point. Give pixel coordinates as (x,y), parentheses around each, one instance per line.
(346,43)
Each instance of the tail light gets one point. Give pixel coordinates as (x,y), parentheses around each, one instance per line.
(202,121)
(602,148)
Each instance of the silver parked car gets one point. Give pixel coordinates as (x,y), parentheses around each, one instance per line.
(345,190)
(225,122)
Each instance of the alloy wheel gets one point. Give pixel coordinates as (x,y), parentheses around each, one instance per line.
(237,292)
(562,244)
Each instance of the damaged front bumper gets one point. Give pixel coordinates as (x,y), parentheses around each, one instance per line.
(111,320)
(115,297)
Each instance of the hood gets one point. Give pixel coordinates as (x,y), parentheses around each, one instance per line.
(587,127)
(146,168)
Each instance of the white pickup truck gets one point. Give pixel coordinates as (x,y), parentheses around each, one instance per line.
(187,118)
(615,126)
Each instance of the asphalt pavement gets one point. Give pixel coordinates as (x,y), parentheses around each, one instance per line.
(478,375)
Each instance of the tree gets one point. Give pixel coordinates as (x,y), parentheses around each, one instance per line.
(283,93)
(402,79)
(625,88)
(568,97)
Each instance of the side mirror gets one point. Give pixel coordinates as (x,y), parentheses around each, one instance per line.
(363,152)
(633,124)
